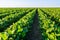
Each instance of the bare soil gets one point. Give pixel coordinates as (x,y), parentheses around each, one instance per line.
(35,33)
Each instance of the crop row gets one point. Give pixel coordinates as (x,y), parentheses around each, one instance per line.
(2,15)
(18,29)
(50,31)
(12,18)
(54,14)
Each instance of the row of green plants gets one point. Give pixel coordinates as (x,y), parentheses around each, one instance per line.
(53,12)
(12,18)
(3,15)
(50,30)
(18,30)
(11,11)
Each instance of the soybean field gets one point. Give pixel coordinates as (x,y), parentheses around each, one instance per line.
(29,23)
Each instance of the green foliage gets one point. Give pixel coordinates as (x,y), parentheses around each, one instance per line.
(49,24)
(16,23)
(17,30)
